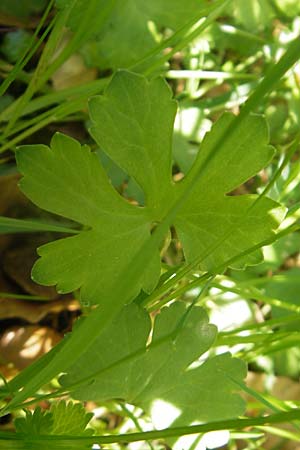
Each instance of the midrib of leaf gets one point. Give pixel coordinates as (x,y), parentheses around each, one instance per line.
(88,331)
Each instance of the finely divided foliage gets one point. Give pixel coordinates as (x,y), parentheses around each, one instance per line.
(133,122)
(63,418)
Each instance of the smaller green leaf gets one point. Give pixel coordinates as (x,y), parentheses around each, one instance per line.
(69,419)
(161,376)
(34,423)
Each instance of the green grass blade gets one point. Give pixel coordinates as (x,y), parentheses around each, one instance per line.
(8,226)
(231,424)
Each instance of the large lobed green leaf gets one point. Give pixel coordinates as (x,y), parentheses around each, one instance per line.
(133,122)
(161,379)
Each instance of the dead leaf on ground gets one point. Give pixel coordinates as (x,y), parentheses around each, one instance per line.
(17,264)
(73,73)
(283,388)
(31,311)
(34,312)
(23,345)
(11,198)
(8,371)
(11,201)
